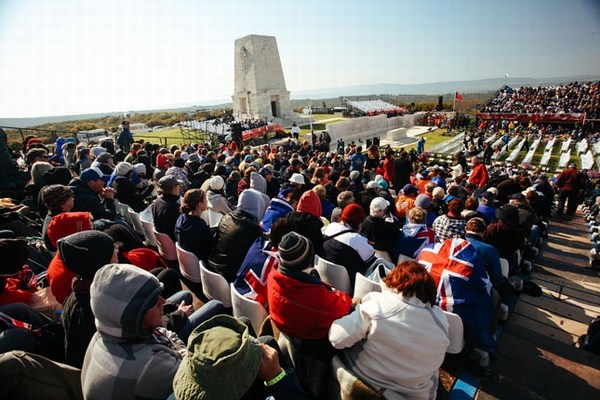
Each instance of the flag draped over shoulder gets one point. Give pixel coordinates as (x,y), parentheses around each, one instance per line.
(458,96)
(463,285)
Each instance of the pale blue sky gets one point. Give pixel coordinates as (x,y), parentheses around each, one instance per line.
(79,56)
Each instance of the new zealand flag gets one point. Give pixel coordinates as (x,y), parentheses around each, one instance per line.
(463,286)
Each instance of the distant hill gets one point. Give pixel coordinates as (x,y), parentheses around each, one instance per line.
(300,97)
(435,88)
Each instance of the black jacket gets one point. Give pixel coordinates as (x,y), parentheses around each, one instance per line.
(165,211)
(236,233)
(87,200)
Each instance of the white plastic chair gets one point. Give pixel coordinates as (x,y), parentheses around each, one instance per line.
(505,267)
(245,307)
(212,218)
(137,223)
(189,265)
(215,286)
(363,285)
(148,226)
(166,246)
(456,333)
(334,274)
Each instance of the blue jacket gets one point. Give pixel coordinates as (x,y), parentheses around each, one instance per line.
(490,257)
(278,208)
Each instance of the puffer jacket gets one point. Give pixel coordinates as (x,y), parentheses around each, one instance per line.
(236,233)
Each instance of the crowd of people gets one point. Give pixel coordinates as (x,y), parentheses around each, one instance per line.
(432,235)
(575,97)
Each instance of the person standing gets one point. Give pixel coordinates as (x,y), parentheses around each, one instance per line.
(479,175)
(125,137)
(570,182)
(295,131)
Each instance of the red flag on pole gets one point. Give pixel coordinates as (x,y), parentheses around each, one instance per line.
(458,96)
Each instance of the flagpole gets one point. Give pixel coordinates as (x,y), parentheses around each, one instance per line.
(454,102)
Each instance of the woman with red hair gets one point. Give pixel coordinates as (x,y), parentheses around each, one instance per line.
(396,340)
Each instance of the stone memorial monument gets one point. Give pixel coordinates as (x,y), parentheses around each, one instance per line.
(259,86)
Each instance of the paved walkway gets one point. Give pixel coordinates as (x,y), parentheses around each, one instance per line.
(536,358)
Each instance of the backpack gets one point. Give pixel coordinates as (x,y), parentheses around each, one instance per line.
(591,340)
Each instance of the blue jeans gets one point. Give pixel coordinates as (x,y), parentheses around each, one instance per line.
(204,313)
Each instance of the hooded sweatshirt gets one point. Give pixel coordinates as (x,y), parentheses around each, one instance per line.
(259,184)
(413,239)
(123,360)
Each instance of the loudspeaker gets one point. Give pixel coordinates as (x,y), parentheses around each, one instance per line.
(440,103)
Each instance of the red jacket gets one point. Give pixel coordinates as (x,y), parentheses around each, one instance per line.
(479,176)
(305,307)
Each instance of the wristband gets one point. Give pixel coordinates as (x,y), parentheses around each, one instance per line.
(279,377)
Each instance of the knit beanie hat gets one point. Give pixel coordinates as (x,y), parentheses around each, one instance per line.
(14,254)
(54,196)
(123,168)
(104,157)
(216,183)
(67,223)
(57,175)
(222,361)
(310,203)
(139,169)
(295,252)
(353,213)
(86,252)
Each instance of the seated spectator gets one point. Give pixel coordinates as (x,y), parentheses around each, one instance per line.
(32,376)
(463,287)
(63,225)
(414,236)
(424,201)
(77,317)
(470,211)
(306,219)
(406,200)
(235,234)
(125,190)
(191,231)
(505,235)
(220,352)
(438,205)
(57,199)
(344,245)
(280,206)
(88,189)
(326,206)
(217,201)
(379,227)
(452,224)
(121,359)
(486,206)
(261,260)
(165,209)
(300,304)
(475,229)
(344,198)
(386,329)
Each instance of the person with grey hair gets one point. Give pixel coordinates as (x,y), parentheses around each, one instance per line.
(415,235)
(343,199)
(379,227)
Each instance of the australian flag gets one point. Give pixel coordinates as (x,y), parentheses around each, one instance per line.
(251,280)
(412,239)
(463,286)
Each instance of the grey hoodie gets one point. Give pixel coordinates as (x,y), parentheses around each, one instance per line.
(123,360)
